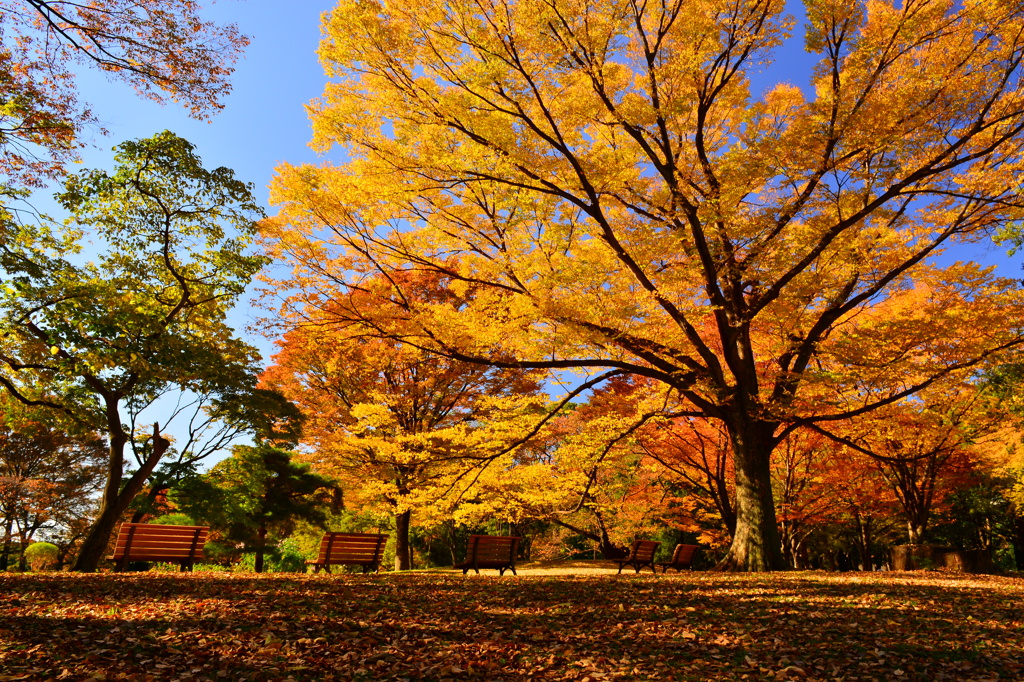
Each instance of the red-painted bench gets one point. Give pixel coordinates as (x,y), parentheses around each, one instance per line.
(640,554)
(350,549)
(490,551)
(181,545)
(682,557)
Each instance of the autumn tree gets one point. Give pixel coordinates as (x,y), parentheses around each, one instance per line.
(94,341)
(928,447)
(163,49)
(695,453)
(600,188)
(394,425)
(48,476)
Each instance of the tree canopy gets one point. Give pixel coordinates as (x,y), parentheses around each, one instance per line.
(163,49)
(99,340)
(599,188)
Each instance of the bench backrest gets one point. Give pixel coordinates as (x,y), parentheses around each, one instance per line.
(683,555)
(338,548)
(156,542)
(643,550)
(492,548)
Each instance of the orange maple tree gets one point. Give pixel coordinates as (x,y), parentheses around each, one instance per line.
(163,49)
(400,429)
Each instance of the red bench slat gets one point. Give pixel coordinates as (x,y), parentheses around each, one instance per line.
(490,551)
(156,542)
(351,549)
(640,554)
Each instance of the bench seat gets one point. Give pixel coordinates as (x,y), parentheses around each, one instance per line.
(181,545)
(350,549)
(490,551)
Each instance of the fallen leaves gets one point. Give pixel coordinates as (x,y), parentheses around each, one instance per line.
(436,626)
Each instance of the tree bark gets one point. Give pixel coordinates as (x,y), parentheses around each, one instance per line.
(403,560)
(4,556)
(756,544)
(261,546)
(116,498)
(863,524)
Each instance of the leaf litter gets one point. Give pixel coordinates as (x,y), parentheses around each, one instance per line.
(439,626)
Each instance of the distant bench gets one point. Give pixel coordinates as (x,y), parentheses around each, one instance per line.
(682,558)
(350,549)
(182,545)
(640,554)
(490,551)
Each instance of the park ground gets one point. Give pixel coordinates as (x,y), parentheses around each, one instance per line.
(551,622)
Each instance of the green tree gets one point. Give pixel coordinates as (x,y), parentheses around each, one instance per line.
(257,491)
(211,424)
(97,340)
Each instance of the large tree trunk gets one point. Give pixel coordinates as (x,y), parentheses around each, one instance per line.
(915,531)
(863,526)
(403,551)
(756,544)
(116,498)
(6,553)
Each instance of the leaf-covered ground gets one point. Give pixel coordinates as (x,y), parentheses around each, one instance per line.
(438,626)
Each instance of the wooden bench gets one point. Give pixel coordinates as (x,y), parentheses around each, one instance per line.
(490,551)
(640,554)
(350,549)
(682,557)
(182,545)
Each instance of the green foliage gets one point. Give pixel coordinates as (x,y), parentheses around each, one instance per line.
(257,491)
(149,312)
(42,556)
(176,519)
(99,341)
(287,557)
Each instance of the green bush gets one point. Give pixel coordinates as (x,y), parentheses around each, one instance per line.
(175,519)
(286,558)
(42,556)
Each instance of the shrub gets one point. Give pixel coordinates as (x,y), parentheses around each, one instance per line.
(176,519)
(42,556)
(286,558)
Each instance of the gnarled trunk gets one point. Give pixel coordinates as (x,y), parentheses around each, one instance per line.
(116,498)
(756,544)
